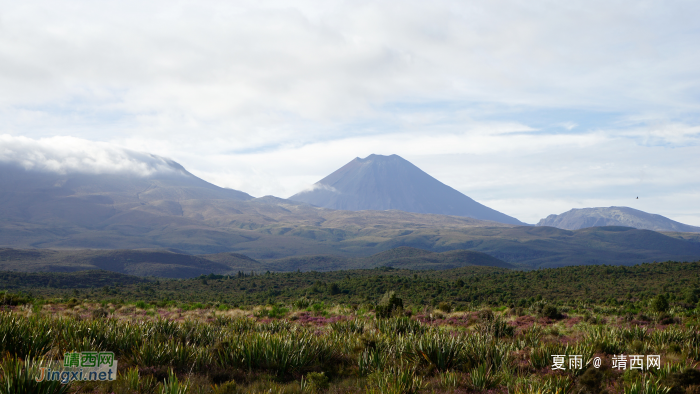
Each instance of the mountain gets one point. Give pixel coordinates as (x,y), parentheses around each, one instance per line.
(391,182)
(86,199)
(614,216)
(170,211)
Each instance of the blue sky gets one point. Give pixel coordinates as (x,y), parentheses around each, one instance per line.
(531,108)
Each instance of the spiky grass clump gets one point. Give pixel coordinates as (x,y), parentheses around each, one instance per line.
(20,376)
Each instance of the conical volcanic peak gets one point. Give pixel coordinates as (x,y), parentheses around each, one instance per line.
(390,182)
(614,216)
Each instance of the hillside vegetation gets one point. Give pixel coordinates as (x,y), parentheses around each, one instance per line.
(170,264)
(460,287)
(325,249)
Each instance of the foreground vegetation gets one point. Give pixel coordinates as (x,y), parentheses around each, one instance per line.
(306,348)
(474,329)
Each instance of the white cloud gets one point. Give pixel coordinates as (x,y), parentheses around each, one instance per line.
(262,71)
(319,186)
(545,101)
(73,155)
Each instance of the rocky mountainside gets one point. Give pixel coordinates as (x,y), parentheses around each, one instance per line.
(614,216)
(391,182)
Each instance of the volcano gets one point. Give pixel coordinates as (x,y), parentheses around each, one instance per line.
(390,182)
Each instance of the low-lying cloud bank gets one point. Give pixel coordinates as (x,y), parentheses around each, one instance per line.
(65,155)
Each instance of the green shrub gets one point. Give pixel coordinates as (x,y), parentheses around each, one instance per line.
(302,303)
(334,289)
(445,307)
(659,304)
(496,327)
(591,381)
(316,381)
(276,312)
(550,311)
(388,304)
(12,299)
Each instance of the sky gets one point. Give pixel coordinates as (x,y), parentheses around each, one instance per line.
(529,107)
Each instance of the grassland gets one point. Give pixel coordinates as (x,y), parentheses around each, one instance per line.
(472,329)
(339,349)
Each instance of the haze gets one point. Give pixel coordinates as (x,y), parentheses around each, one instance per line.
(530,108)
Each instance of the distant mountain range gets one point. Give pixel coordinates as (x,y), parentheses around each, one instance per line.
(391,182)
(190,226)
(614,216)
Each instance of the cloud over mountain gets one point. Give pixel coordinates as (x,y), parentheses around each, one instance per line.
(64,155)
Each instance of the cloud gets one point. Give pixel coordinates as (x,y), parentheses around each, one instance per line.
(320,186)
(73,155)
(579,101)
(289,70)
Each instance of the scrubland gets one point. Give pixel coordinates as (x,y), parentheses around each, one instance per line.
(384,347)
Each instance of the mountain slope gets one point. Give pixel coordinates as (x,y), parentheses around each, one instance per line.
(85,199)
(390,182)
(614,216)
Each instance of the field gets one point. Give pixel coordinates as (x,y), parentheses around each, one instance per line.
(473,329)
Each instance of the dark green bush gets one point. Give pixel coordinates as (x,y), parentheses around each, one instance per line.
(388,305)
(334,289)
(317,381)
(659,304)
(445,307)
(551,312)
(12,299)
(591,381)
(678,382)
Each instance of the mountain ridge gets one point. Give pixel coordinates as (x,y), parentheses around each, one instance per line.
(576,219)
(177,211)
